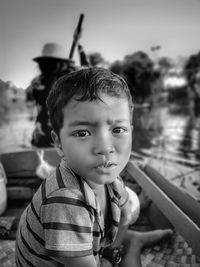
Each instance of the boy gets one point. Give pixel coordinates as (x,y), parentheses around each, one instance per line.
(83,207)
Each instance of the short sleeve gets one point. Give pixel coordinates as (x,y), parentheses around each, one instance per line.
(134,205)
(67,224)
(120,191)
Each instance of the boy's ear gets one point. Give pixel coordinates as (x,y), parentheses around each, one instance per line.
(132,127)
(57,143)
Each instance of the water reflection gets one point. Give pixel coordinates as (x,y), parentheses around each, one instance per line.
(168,137)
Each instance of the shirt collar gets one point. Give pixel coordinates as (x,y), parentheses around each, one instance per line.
(90,198)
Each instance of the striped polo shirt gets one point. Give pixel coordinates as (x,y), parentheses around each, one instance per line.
(64,220)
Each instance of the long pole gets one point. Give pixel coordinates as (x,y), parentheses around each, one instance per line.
(76,36)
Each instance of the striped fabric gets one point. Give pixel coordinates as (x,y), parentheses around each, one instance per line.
(64,220)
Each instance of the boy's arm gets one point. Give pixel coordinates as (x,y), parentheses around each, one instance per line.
(125,220)
(129,214)
(108,253)
(85,261)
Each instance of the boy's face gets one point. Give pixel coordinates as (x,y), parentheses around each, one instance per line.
(96,138)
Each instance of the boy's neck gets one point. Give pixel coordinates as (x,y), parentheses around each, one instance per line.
(102,198)
(99,189)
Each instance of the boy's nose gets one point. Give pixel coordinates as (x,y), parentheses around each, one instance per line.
(104,151)
(103,146)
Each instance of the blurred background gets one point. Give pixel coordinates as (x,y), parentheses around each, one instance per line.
(153,44)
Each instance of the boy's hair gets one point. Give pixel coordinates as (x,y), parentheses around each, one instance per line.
(84,85)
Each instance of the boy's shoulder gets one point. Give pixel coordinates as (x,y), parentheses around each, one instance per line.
(63,185)
(69,188)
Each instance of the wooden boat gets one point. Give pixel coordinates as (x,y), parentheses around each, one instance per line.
(169,205)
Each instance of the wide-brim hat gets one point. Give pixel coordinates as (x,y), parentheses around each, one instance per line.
(53,51)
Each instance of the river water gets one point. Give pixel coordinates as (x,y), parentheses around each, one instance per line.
(166,137)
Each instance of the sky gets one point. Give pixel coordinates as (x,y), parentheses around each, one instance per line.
(114,28)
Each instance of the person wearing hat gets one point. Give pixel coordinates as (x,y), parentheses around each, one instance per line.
(52,64)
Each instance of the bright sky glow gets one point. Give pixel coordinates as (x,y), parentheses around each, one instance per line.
(114,28)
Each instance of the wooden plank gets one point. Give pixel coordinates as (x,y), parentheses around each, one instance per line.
(21,163)
(20,192)
(185,201)
(24,163)
(182,223)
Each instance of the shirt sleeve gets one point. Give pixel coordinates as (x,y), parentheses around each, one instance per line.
(120,191)
(67,225)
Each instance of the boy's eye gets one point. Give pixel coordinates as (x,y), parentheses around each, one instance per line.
(119,130)
(81,133)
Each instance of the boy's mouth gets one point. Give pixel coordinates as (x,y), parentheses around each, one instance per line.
(106,165)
